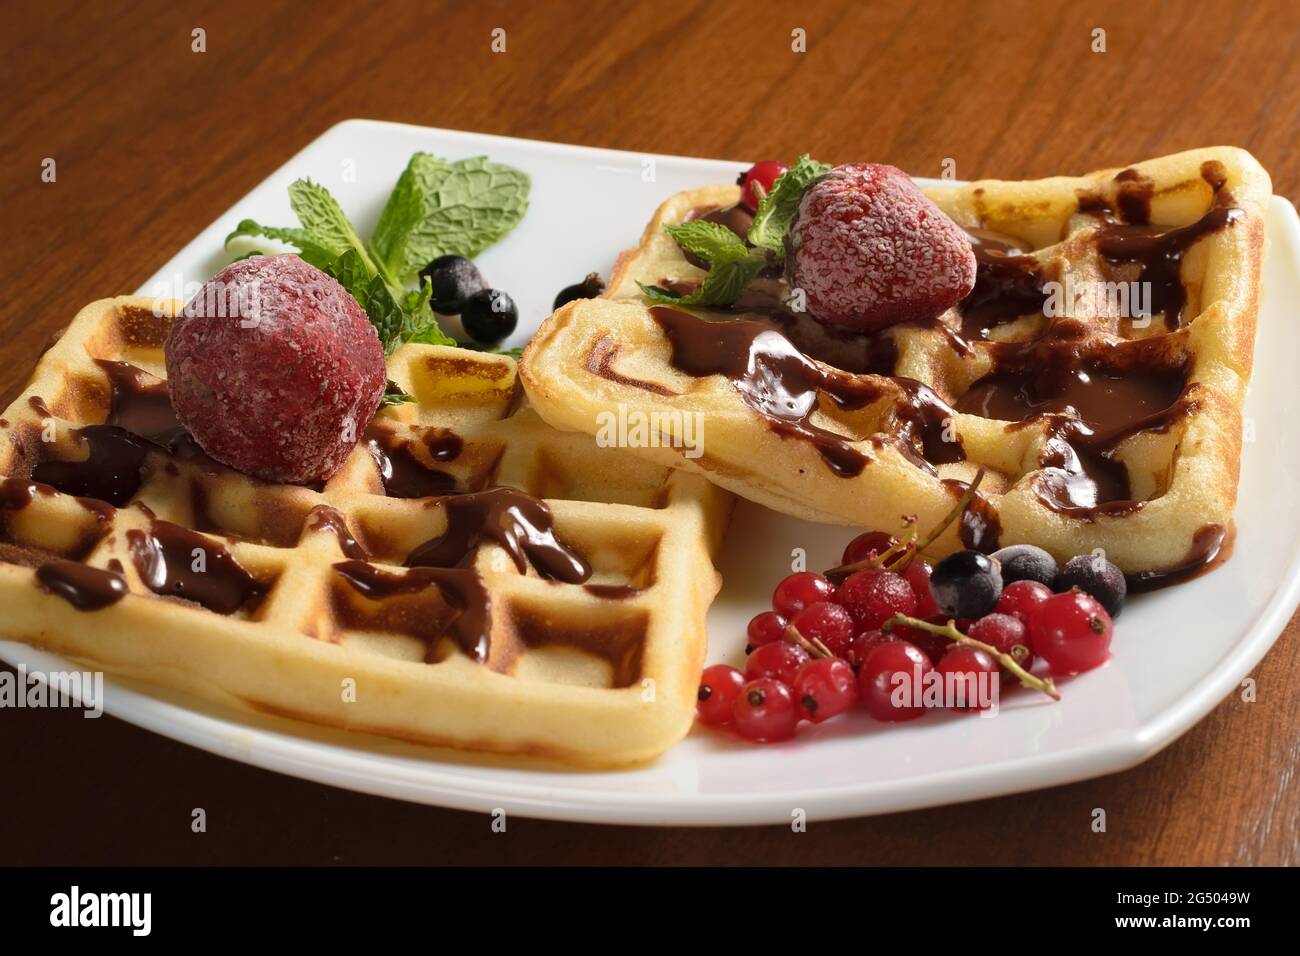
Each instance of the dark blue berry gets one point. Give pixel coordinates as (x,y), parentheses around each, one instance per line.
(1025,562)
(588,288)
(453,279)
(489,316)
(1093,574)
(966,584)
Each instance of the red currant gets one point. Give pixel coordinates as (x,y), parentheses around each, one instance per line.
(873,597)
(961,668)
(765,628)
(1072,632)
(864,644)
(1004,632)
(780,660)
(933,645)
(917,574)
(719,687)
(828,623)
(799,590)
(825,688)
(766,710)
(894,667)
(765,174)
(866,545)
(1022,598)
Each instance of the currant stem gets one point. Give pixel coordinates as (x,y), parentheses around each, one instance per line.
(962,502)
(904,548)
(950,631)
(814,648)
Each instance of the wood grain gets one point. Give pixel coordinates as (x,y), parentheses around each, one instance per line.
(153,141)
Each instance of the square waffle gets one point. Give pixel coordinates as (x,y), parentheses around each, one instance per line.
(1097,427)
(153,561)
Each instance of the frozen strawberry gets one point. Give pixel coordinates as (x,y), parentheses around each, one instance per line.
(275,369)
(870,250)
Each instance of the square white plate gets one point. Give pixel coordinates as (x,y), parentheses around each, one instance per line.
(1177,652)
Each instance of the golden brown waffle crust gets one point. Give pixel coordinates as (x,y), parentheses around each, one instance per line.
(1187,477)
(655,529)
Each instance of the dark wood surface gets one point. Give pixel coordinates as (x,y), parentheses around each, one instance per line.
(154,141)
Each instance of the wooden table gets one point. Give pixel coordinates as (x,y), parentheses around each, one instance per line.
(153,141)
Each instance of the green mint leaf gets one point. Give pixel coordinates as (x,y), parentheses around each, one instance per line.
(323,220)
(394,394)
(708,240)
(727,278)
(419,324)
(309,249)
(777,209)
(440,208)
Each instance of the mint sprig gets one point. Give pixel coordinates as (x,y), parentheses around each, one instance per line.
(732,264)
(437,208)
(776,210)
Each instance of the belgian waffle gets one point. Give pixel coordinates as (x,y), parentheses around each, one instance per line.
(1095,430)
(422,593)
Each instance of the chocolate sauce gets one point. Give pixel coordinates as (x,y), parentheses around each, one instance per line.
(111,470)
(16,493)
(1133,196)
(1008,284)
(1159,254)
(403,474)
(979,526)
(176,562)
(84,587)
(519,523)
(325,518)
(405,609)
(612,592)
(37,404)
(1211,546)
(776,380)
(141,407)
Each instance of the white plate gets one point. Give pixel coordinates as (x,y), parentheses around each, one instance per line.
(1178,652)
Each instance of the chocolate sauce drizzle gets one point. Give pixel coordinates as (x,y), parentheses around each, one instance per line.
(776,380)
(166,557)
(403,474)
(406,596)
(519,523)
(1008,284)
(85,587)
(326,518)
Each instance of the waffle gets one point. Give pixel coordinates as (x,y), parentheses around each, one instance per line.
(299,604)
(1095,430)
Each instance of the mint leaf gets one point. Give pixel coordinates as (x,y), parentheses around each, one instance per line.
(727,278)
(708,240)
(323,221)
(309,249)
(394,394)
(777,209)
(418,324)
(440,208)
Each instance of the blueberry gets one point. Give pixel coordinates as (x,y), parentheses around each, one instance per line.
(454,279)
(1093,574)
(588,288)
(489,316)
(1024,562)
(966,584)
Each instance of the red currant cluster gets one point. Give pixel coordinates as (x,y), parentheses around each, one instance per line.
(824,649)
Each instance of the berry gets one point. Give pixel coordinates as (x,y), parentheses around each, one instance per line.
(766,710)
(1004,632)
(873,597)
(864,644)
(917,575)
(966,584)
(828,623)
(275,369)
(870,250)
(1024,562)
(1022,598)
(866,545)
(825,688)
(1072,632)
(453,280)
(797,591)
(765,174)
(780,660)
(719,687)
(893,667)
(589,288)
(1093,574)
(934,646)
(764,628)
(489,316)
(961,668)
